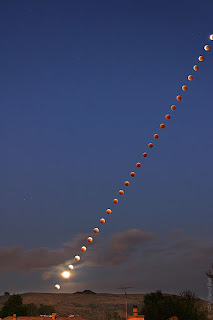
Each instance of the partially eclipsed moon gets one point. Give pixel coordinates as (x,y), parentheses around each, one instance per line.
(57,286)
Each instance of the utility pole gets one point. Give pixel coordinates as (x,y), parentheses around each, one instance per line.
(124,289)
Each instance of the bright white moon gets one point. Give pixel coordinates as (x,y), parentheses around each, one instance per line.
(70,266)
(66,274)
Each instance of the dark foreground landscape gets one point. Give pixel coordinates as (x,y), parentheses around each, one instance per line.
(92,306)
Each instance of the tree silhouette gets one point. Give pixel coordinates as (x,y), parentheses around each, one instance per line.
(13,305)
(46,309)
(210,274)
(161,307)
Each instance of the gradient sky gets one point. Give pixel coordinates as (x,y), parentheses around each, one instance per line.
(84,86)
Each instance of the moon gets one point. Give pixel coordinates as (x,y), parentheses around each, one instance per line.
(57,286)
(66,274)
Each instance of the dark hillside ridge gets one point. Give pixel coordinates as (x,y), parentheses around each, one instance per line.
(87,304)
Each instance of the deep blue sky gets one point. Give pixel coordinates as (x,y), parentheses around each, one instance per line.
(84,86)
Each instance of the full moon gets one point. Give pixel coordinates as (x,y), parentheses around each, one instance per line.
(66,274)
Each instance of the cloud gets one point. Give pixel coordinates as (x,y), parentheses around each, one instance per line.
(19,258)
(119,248)
(123,244)
(168,263)
(115,252)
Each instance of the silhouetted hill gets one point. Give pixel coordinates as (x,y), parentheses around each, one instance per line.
(89,305)
(85,292)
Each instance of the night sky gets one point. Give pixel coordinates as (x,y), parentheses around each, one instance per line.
(84,86)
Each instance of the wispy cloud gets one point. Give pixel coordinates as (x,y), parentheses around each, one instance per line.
(116,252)
(19,258)
(166,261)
(120,247)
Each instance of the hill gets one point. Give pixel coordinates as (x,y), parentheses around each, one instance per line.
(94,306)
(91,306)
